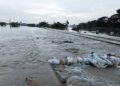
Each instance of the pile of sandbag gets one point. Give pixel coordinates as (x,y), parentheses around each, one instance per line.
(102,60)
(95,59)
(66,61)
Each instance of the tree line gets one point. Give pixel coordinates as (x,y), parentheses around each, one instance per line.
(109,25)
(104,24)
(43,24)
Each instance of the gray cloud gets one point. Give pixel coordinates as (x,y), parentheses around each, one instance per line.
(56,10)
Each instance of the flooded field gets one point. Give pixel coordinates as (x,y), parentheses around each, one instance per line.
(24,50)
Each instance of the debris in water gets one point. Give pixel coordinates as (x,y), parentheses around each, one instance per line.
(73,50)
(37,37)
(61,42)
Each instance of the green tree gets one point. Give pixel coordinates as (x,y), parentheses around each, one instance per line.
(3,24)
(58,25)
(43,24)
(14,24)
(118,11)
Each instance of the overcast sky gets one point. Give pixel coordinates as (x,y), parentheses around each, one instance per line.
(75,11)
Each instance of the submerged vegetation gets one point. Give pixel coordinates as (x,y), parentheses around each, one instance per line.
(43,24)
(29,25)
(61,26)
(104,24)
(75,28)
(3,24)
(109,25)
(14,24)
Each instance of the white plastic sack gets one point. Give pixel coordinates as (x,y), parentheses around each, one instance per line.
(54,61)
(98,60)
(79,59)
(69,60)
(115,60)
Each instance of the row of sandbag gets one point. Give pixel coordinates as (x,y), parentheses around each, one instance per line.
(96,59)
(102,60)
(66,61)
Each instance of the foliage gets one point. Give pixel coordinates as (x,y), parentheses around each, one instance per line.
(104,24)
(14,24)
(58,25)
(118,11)
(75,28)
(3,24)
(31,25)
(43,24)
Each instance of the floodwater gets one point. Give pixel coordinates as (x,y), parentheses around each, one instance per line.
(108,74)
(23,50)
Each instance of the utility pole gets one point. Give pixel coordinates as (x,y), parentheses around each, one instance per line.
(9,23)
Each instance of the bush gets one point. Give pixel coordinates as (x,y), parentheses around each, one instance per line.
(58,25)
(14,24)
(31,25)
(75,28)
(43,24)
(103,24)
(3,24)
(118,11)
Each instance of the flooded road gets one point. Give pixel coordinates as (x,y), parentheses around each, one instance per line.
(108,74)
(23,50)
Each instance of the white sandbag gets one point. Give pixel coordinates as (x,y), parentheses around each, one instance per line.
(54,61)
(79,60)
(105,58)
(98,60)
(69,60)
(115,60)
(103,62)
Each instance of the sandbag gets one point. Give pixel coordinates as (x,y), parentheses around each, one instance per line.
(69,60)
(101,60)
(54,61)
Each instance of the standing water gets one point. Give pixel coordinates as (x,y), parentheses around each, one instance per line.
(24,50)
